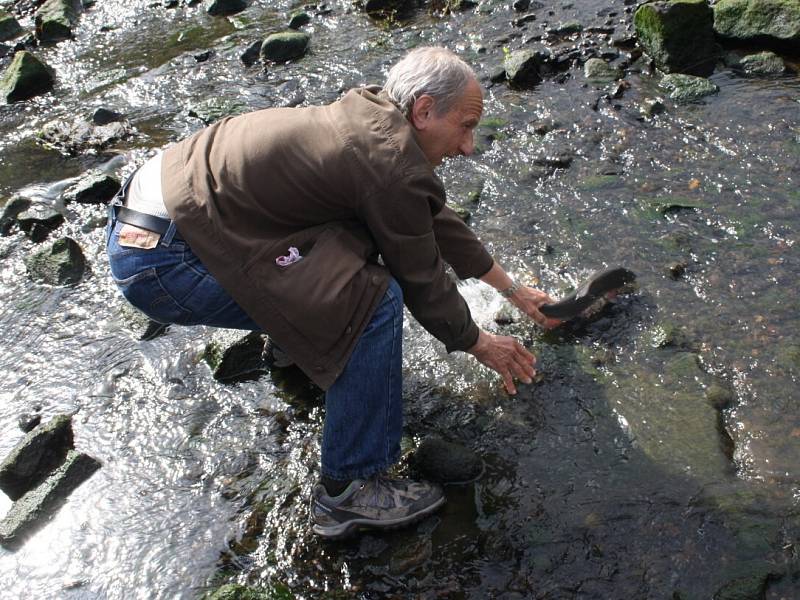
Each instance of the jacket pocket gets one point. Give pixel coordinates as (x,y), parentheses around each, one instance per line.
(319,293)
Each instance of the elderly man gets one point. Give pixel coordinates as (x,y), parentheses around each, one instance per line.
(315,225)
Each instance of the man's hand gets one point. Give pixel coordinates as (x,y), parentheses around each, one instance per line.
(528,300)
(507,356)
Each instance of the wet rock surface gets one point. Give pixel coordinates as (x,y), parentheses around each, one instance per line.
(60,263)
(770,21)
(81,136)
(39,221)
(687,88)
(446,462)
(280,47)
(25,77)
(9,26)
(95,188)
(55,20)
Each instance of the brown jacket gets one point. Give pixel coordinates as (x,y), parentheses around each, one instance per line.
(343,183)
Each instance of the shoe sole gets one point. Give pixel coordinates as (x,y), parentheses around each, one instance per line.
(593,289)
(349,528)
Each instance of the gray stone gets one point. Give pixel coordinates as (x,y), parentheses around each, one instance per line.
(596,69)
(523,67)
(687,88)
(9,26)
(214,109)
(225,7)
(763,63)
(55,19)
(96,188)
(281,47)
(678,35)
(250,56)
(32,510)
(61,263)
(39,221)
(35,456)
(447,462)
(775,21)
(11,211)
(25,78)
(568,28)
(104,116)
(81,136)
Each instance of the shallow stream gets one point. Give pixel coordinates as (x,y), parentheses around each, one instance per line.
(612,476)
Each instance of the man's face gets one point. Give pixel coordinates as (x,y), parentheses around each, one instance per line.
(450,134)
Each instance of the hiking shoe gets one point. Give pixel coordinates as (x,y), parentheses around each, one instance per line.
(378,502)
(273,356)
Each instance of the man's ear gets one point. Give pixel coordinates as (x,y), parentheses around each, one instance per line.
(422,112)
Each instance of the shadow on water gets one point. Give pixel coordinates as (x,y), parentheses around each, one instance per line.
(571,504)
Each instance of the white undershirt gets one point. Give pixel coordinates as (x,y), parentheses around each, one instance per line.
(144,191)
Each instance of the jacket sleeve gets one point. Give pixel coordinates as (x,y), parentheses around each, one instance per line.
(400,219)
(459,245)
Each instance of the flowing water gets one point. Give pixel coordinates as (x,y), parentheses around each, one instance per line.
(610,477)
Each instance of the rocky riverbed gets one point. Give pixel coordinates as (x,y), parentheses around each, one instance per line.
(656,455)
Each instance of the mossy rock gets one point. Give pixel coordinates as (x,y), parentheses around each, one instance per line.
(687,88)
(678,35)
(55,19)
(61,263)
(235,591)
(9,26)
(282,47)
(25,78)
(763,63)
(298,19)
(758,20)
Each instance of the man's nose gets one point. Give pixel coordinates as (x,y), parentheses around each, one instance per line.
(467,144)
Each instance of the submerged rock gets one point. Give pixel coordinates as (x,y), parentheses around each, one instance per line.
(31,511)
(83,136)
(687,88)
(62,263)
(95,188)
(9,26)
(225,7)
(35,456)
(763,63)
(678,35)
(39,221)
(446,462)
(241,361)
(281,47)
(770,21)
(25,78)
(55,19)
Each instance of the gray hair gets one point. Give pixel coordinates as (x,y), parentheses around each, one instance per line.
(436,72)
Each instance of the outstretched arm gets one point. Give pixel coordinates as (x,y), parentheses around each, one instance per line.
(525,298)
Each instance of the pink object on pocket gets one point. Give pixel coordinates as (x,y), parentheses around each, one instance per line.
(292,257)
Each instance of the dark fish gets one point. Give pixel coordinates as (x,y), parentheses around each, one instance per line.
(591,296)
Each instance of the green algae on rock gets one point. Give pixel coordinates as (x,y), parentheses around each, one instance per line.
(288,45)
(762,63)
(26,77)
(758,20)
(678,35)
(687,88)
(61,263)
(55,19)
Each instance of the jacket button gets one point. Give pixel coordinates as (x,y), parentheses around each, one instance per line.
(375,280)
(319,368)
(349,329)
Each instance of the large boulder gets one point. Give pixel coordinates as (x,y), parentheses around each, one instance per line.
(61,263)
(25,78)
(288,45)
(678,35)
(9,26)
(770,21)
(55,19)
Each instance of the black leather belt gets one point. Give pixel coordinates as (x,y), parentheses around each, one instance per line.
(140,219)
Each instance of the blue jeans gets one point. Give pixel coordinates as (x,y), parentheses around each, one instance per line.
(364,406)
